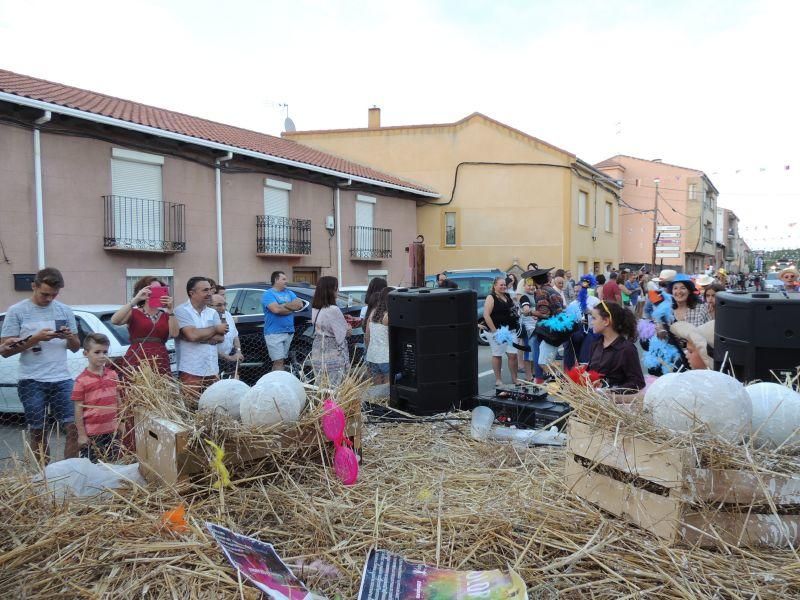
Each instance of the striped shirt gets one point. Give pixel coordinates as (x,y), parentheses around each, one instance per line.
(97,394)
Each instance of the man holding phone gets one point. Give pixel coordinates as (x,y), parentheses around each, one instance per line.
(47,329)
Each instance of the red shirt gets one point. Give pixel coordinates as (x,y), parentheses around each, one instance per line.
(611,292)
(97,395)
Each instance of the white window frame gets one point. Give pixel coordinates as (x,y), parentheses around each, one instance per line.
(455,230)
(583,268)
(132,275)
(583,208)
(692,191)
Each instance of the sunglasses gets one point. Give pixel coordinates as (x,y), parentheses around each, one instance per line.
(345,461)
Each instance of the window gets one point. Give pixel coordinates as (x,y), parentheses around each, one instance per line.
(251,303)
(449,229)
(609,216)
(596,267)
(583,207)
(136,189)
(165,275)
(692,191)
(365,218)
(276,198)
(582,266)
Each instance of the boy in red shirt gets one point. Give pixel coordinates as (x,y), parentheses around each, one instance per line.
(96,403)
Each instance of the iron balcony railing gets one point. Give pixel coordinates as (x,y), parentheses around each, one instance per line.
(370,243)
(140,224)
(282,235)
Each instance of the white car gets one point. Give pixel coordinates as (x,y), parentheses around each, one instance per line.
(773,283)
(91,318)
(354,293)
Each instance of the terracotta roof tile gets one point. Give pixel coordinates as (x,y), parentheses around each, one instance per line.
(175,122)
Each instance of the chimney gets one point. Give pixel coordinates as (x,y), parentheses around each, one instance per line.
(374,120)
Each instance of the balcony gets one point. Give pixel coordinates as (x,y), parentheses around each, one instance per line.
(282,236)
(140,225)
(370,243)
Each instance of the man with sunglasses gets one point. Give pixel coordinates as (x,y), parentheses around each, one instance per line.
(46,329)
(230,349)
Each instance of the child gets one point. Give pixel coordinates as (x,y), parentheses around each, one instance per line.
(96,403)
(377,332)
(790,280)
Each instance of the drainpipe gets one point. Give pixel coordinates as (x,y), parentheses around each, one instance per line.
(339,229)
(218,177)
(37,177)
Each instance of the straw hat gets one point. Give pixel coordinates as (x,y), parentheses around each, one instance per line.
(665,275)
(701,338)
(704,280)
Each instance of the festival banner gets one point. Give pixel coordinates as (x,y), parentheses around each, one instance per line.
(388,576)
(259,563)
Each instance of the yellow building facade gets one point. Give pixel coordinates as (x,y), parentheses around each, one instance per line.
(506,197)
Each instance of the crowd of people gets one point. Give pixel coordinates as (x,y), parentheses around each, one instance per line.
(621,326)
(42,331)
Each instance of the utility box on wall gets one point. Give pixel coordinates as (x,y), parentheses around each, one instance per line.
(23,281)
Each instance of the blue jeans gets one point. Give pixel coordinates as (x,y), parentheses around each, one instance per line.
(534,342)
(38,396)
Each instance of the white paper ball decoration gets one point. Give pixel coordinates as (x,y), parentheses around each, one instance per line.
(290,381)
(702,401)
(225,396)
(776,413)
(270,403)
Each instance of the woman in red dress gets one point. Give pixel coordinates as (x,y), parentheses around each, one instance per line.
(149,327)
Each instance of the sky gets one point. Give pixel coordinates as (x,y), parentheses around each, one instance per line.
(710,85)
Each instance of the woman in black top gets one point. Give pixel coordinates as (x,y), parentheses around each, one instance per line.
(614,355)
(498,311)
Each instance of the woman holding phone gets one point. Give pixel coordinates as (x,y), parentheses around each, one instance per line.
(151,323)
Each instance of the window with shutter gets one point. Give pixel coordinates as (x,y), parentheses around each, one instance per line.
(276,215)
(136,187)
(364,223)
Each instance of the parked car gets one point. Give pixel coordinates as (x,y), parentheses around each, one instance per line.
(773,283)
(479,280)
(244,304)
(355,293)
(91,318)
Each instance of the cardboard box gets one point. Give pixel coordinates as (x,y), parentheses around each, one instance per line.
(661,489)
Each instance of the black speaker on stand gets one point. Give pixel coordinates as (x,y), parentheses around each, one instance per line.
(433,349)
(757,334)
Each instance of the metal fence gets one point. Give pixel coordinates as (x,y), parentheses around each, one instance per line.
(282,235)
(370,243)
(141,224)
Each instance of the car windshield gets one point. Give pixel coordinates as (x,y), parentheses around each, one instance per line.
(120,331)
(772,276)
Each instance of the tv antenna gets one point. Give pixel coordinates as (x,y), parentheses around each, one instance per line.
(288,124)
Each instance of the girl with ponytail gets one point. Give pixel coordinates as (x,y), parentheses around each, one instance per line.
(614,354)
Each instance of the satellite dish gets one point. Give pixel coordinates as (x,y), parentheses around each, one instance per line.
(288,125)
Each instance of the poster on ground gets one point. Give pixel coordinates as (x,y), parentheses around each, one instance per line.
(259,563)
(388,576)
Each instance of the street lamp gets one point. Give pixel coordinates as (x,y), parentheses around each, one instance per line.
(655,223)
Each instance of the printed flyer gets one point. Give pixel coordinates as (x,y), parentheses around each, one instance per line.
(388,576)
(259,563)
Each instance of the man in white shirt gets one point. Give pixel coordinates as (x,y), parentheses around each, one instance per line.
(44,329)
(201,331)
(230,349)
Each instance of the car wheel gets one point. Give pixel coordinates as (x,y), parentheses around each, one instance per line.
(482,341)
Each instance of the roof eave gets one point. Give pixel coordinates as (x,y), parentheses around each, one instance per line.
(606,179)
(89,116)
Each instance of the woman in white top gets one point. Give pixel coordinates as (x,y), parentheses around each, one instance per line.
(377,338)
(330,358)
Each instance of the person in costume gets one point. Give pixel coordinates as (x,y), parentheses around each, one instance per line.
(579,347)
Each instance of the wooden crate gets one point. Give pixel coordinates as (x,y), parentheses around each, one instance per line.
(660,489)
(166,455)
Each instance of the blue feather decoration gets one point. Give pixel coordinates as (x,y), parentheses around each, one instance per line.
(563,321)
(663,312)
(661,353)
(574,311)
(587,281)
(503,335)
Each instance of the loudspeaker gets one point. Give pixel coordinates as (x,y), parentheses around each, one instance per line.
(433,349)
(758,334)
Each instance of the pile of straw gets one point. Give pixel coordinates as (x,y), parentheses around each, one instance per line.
(426,490)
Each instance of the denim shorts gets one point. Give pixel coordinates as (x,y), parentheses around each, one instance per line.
(378,368)
(38,396)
